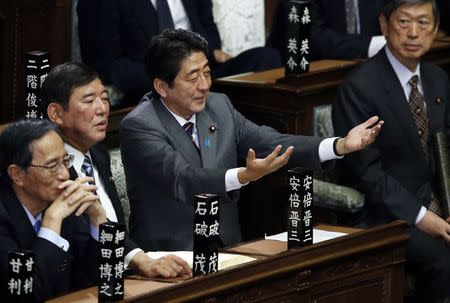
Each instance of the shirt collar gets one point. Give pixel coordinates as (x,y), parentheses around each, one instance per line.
(180,119)
(30,216)
(403,73)
(78,156)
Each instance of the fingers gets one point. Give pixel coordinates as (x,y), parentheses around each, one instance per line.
(184,266)
(274,154)
(370,122)
(168,266)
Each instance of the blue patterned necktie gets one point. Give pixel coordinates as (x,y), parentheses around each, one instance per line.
(88,169)
(165,20)
(37,225)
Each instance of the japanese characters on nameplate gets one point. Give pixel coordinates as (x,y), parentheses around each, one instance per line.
(36,69)
(300,191)
(298,37)
(206,234)
(111,268)
(20,275)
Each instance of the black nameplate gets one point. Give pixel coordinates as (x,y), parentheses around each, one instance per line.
(112,252)
(300,197)
(20,276)
(206,234)
(298,42)
(36,70)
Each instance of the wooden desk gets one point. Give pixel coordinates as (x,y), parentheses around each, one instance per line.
(286,107)
(365,266)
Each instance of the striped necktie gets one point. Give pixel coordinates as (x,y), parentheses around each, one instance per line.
(88,169)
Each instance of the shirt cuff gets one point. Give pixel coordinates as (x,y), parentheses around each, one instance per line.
(95,233)
(377,43)
(326,151)
(421,214)
(52,236)
(231,180)
(130,256)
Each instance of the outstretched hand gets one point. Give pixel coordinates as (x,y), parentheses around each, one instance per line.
(360,136)
(257,167)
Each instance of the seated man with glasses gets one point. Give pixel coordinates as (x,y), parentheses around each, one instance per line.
(41,208)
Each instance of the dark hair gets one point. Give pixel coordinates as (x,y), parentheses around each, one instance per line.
(16,139)
(62,80)
(166,51)
(391,5)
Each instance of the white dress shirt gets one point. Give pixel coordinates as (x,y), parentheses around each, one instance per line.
(103,196)
(179,16)
(404,75)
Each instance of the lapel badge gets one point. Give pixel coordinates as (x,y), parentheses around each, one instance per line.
(438,100)
(112,179)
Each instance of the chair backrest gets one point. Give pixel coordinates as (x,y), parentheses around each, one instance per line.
(119,176)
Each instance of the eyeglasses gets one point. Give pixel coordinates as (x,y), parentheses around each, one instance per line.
(66,162)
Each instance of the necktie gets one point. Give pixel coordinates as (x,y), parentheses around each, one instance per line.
(350,12)
(189,128)
(164,16)
(419,113)
(417,107)
(37,225)
(88,169)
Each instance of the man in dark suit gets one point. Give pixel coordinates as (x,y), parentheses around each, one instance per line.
(114,33)
(331,35)
(77,102)
(397,173)
(182,140)
(40,210)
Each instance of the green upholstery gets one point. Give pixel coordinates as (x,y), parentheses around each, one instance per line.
(327,194)
(119,177)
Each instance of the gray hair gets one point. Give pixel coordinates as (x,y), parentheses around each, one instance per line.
(391,5)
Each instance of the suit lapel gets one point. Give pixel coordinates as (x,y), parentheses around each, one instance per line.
(207,139)
(180,140)
(25,233)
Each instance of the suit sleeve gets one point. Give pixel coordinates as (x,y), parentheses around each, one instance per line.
(351,108)
(264,139)
(99,30)
(329,43)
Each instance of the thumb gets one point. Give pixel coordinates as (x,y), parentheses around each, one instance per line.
(371,121)
(251,155)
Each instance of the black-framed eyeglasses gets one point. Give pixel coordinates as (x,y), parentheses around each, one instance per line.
(66,162)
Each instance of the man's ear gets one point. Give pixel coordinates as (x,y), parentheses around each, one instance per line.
(54,111)
(383,25)
(15,173)
(161,87)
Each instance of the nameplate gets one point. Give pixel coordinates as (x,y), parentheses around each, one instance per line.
(20,276)
(298,44)
(111,268)
(36,70)
(206,234)
(299,216)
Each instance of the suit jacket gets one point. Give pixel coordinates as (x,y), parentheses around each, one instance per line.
(114,34)
(56,271)
(164,170)
(102,161)
(329,38)
(392,172)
